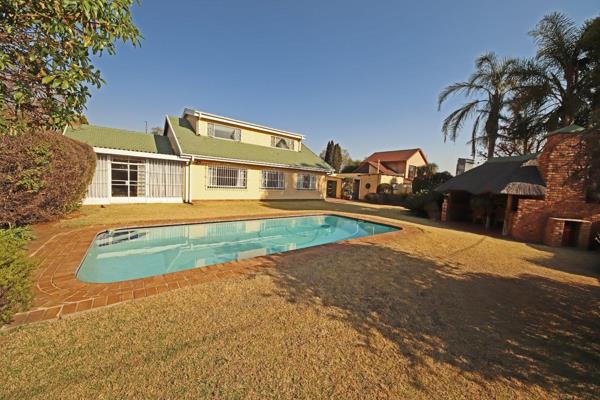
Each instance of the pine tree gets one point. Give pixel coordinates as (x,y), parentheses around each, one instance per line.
(328,152)
(336,157)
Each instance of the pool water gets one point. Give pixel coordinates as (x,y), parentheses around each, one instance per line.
(134,253)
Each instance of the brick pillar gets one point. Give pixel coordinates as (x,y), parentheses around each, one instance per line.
(444,217)
(554,232)
(585,233)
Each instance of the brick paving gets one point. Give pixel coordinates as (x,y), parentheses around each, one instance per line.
(58,292)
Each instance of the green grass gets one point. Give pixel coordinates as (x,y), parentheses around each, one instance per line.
(435,314)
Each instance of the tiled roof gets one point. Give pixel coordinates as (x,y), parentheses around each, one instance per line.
(383,169)
(205,146)
(120,139)
(395,155)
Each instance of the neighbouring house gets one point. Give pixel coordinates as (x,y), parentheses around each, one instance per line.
(201,156)
(534,198)
(463,165)
(396,167)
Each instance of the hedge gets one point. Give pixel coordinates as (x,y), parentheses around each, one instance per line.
(423,203)
(43,175)
(15,270)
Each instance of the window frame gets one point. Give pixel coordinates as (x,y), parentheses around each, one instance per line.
(412,172)
(211,169)
(291,142)
(312,181)
(264,179)
(211,129)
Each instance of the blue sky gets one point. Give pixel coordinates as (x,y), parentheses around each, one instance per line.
(365,74)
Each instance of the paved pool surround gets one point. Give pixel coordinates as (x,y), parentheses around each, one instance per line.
(59,251)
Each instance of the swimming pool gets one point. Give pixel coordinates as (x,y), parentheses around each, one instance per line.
(133,253)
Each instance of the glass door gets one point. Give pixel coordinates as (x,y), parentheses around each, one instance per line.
(127,178)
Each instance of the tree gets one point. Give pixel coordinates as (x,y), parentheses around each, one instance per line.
(350,166)
(45,57)
(336,158)
(427,170)
(590,46)
(558,78)
(326,154)
(491,84)
(156,130)
(524,132)
(428,178)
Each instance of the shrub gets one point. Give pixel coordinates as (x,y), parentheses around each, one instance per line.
(372,198)
(384,188)
(424,202)
(347,188)
(43,175)
(424,183)
(15,270)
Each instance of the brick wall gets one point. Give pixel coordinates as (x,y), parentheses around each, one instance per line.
(565,196)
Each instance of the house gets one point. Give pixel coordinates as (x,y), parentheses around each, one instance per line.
(534,198)
(397,168)
(463,165)
(201,156)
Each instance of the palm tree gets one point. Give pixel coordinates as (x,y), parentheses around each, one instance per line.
(558,75)
(491,85)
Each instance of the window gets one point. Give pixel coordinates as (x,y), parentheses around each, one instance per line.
(282,143)
(306,182)
(226,177)
(272,180)
(224,132)
(412,171)
(127,178)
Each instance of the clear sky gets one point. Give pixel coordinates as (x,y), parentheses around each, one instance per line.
(363,73)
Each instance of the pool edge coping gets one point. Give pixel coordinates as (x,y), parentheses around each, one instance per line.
(217,271)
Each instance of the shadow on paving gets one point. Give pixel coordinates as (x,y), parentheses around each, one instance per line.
(529,329)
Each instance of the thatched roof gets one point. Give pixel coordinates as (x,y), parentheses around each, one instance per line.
(502,175)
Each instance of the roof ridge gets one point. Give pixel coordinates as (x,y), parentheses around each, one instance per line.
(74,128)
(394,151)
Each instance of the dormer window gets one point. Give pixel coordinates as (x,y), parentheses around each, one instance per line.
(282,143)
(224,132)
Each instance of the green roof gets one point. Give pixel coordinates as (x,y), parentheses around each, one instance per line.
(205,146)
(119,139)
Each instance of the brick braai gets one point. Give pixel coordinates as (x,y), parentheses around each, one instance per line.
(565,200)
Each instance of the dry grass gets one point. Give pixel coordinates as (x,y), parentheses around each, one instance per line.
(439,314)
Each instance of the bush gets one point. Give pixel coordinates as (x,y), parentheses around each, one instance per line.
(372,198)
(386,198)
(15,270)
(424,203)
(426,183)
(43,175)
(384,188)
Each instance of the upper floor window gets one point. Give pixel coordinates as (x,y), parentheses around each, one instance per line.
(272,179)
(412,171)
(282,143)
(226,177)
(306,182)
(224,132)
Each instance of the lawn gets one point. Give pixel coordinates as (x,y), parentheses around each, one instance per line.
(438,314)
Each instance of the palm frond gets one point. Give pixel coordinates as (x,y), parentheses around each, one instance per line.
(454,122)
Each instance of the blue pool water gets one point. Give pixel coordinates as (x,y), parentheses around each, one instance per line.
(133,253)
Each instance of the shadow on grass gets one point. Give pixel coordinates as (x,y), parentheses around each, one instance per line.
(570,260)
(529,329)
